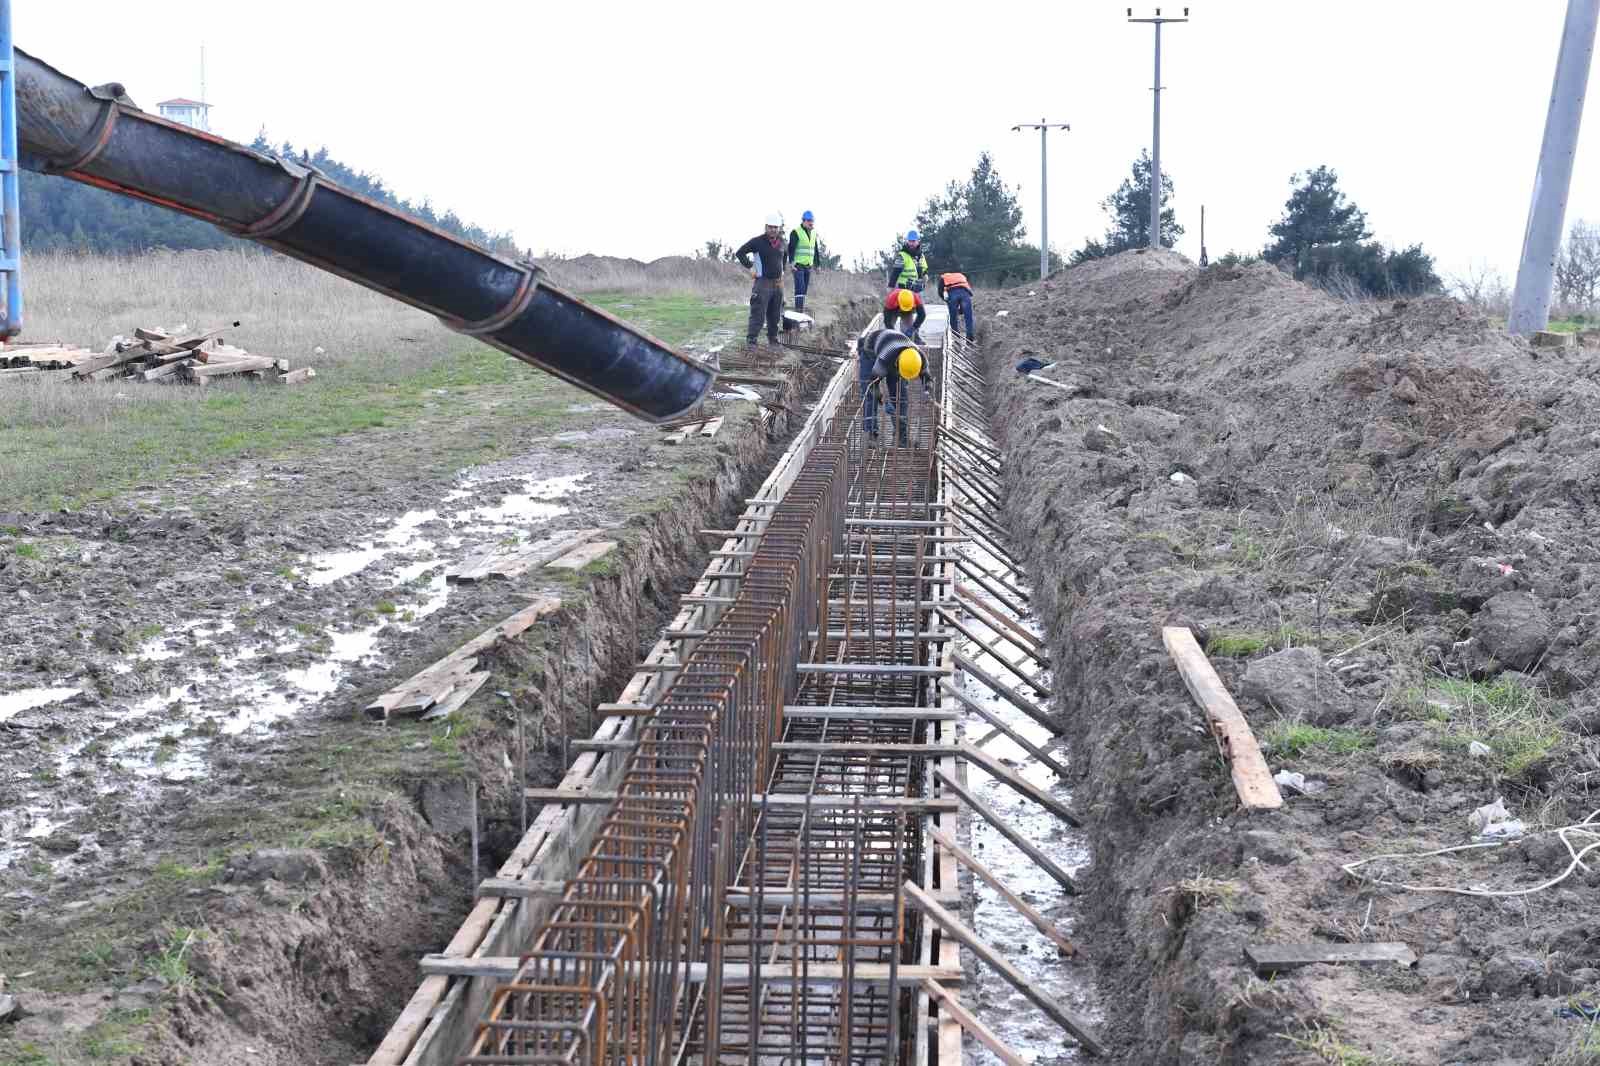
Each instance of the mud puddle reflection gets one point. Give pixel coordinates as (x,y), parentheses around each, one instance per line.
(206,679)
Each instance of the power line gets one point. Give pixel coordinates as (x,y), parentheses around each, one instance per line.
(1044,189)
(1155,137)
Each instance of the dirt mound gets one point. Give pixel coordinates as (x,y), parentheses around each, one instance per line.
(1402,497)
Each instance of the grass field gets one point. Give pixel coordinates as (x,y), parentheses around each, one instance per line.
(384,365)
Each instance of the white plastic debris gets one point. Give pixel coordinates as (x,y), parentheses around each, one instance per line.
(1299,782)
(1001,314)
(1510,829)
(1179,477)
(1489,814)
(318,350)
(1479,750)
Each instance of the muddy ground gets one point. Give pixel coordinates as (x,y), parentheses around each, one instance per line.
(205,847)
(1380,520)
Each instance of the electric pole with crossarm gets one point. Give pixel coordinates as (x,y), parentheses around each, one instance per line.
(1044,189)
(1155,137)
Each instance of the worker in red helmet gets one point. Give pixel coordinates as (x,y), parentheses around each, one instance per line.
(898,309)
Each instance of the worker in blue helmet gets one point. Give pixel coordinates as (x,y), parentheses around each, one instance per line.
(909,267)
(803,246)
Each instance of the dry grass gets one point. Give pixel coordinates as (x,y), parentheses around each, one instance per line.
(382,363)
(285,308)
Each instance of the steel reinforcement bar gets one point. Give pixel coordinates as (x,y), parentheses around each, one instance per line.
(604,980)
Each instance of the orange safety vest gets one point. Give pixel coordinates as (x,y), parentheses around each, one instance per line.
(955,281)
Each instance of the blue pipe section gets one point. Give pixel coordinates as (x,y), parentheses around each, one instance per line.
(10,205)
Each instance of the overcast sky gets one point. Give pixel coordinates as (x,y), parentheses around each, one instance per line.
(644,129)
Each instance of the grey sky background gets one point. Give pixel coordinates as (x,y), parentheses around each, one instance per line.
(644,129)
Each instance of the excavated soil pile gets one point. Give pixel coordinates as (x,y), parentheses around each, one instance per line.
(1380,520)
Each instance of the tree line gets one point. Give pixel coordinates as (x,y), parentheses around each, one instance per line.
(63,215)
(1321,237)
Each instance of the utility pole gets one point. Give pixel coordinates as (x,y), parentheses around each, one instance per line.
(1044,189)
(1541,241)
(1203,235)
(1155,137)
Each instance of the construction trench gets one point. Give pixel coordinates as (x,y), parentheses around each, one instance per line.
(756,858)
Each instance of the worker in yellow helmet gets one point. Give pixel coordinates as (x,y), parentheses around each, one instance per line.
(902,306)
(886,363)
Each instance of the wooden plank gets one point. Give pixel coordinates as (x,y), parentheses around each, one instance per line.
(458,696)
(1016,699)
(1004,727)
(442,677)
(710,428)
(1003,773)
(505,967)
(513,563)
(516,888)
(1251,778)
(982,1033)
(1005,829)
(1275,958)
(156,373)
(957,929)
(216,368)
(296,376)
(1022,906)
(582,556)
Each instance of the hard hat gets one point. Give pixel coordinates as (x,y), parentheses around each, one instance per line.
(912,237)
(906,300)
(774,219)
(807,216)
(910,364)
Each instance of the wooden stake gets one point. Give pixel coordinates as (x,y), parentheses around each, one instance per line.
(955,928)
(984,1035)
(1002,727)
(1005,829)
(1003,773)
(1023,907)
(1026,706)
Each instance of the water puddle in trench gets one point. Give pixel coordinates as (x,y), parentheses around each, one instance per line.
(1025,1028)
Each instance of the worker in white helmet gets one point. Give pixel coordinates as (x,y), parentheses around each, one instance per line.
(763,256)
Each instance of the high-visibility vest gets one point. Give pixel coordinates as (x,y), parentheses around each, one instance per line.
(955,281)
(909,268)
(805,248)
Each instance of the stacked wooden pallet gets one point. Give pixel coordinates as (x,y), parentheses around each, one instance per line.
(33,360)
(188,358)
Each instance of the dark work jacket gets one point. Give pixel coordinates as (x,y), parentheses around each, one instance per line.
(770,252)
(883,347)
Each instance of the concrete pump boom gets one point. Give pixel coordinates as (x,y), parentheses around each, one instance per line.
(97,136)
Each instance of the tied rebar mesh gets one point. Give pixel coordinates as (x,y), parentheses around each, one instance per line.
(708,922)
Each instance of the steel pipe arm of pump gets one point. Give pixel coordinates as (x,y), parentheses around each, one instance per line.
(98,137)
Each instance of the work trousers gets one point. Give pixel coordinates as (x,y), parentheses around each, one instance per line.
(897,320)
(899,395)
(802,283)
(959,301)
(766,302)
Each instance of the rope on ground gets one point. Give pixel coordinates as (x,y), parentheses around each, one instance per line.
(1588,828)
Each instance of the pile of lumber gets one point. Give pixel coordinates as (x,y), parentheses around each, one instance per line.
(178,356)
(186,358)
(30,359)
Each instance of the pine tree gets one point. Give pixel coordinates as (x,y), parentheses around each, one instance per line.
(1129,208)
